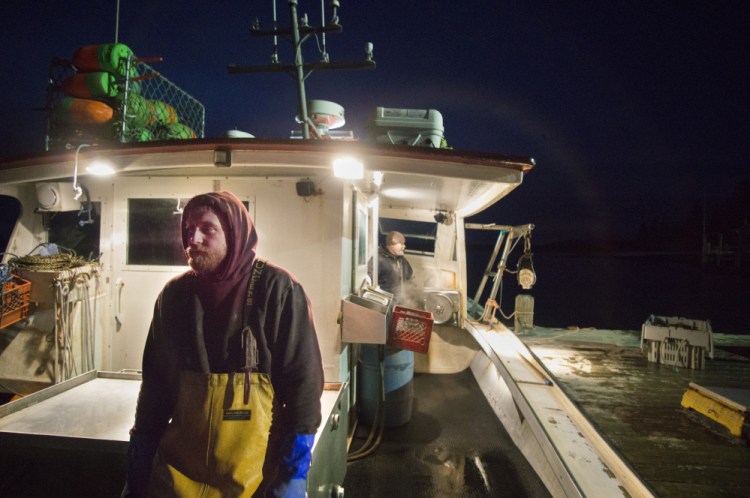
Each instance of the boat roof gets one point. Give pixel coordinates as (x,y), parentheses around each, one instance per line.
(414,177)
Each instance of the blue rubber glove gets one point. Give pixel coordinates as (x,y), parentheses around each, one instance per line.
(293,488)
(295,452)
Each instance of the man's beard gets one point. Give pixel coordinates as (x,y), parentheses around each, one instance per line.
(204,262)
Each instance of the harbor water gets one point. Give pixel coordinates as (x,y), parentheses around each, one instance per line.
(620,291)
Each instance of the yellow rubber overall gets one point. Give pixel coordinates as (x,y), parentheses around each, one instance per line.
(215,444)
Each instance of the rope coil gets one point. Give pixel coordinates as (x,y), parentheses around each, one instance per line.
(53,262)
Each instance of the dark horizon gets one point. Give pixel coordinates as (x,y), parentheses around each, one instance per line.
(631,111)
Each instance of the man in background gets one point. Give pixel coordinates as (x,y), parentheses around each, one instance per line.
(394,271)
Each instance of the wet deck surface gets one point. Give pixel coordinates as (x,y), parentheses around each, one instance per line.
(453,446)
(636,404)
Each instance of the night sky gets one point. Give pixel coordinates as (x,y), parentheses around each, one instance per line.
(633,111)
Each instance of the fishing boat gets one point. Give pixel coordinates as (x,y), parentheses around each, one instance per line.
(89,255)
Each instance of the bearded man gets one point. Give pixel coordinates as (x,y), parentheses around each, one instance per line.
(232,372)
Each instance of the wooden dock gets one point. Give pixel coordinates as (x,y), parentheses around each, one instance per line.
(636,405)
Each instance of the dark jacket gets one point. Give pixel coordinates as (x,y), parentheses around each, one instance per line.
(394,272)
(287,345)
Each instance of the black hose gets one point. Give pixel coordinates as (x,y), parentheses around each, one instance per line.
(376,431)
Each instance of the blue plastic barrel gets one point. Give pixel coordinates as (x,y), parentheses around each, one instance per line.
(399,384)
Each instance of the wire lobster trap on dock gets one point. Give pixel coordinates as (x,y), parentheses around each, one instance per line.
(676,341)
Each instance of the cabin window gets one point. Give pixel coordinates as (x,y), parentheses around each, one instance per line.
(154,232)
(420,235)
(10,211)
(76,230)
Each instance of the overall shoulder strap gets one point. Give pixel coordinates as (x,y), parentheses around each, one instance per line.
(248,341)
(249,345)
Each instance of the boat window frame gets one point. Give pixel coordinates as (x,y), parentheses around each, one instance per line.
(178,203)
(407,228)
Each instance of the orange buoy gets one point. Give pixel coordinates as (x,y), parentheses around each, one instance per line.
(84,111)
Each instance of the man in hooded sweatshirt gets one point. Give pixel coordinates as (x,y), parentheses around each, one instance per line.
(232,372)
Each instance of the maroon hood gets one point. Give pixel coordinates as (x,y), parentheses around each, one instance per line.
(242,240)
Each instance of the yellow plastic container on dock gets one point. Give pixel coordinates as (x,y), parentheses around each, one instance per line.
(716,406)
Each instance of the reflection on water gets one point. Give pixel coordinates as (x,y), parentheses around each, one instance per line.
(621,292)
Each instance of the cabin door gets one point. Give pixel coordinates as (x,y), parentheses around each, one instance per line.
(147,252)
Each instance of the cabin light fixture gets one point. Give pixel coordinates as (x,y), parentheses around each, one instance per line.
(77,190)
(444,217)
(349,168)
(99,167)
(223,157)
(377,178)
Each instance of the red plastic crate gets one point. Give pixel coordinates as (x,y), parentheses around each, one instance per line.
(15,302)
(410,329)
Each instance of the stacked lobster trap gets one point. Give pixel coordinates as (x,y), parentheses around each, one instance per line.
(105,93)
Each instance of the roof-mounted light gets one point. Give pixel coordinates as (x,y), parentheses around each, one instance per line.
(99,167)
(349,168)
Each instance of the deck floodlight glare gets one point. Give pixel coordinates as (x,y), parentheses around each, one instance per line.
(526,273)
(349,168)
(100,167)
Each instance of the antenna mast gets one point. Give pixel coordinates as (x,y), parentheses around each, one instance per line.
(299,31)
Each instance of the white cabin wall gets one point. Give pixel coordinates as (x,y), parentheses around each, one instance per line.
(346,269)
(101,190)
(306,236)
(310,237)
(27,362)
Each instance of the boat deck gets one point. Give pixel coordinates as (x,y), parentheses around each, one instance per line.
(453,446)
(636,405)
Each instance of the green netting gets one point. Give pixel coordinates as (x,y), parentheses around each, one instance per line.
(86,107)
